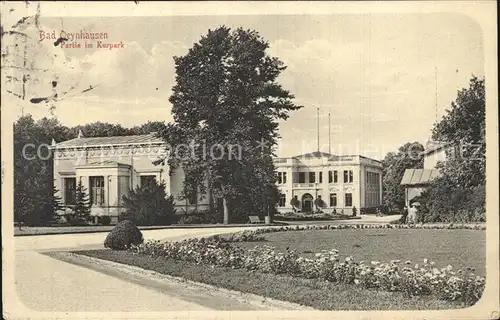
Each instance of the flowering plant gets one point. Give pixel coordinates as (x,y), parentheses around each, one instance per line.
(397,276)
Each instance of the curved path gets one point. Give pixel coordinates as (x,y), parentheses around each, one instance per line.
(43,283)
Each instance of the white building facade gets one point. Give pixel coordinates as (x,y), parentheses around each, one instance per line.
(342,182)
(109,167)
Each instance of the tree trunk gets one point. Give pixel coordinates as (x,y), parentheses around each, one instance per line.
(226,211)
(210,193)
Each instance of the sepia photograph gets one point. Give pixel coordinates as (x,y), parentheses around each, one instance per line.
(215,160)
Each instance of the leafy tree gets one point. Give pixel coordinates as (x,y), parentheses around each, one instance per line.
(226,95)
(148,204)
(150,126)
(464,127)
(31,172)
(82,206)
(319,203)
(408,156)
(459,194)
(101,129)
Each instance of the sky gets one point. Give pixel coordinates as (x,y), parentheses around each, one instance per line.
(381,77)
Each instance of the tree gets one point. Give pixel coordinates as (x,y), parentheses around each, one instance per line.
(459,194)
(149,127)
(409,156)
(464,127)
(148,204)
(31,172)
(101,129)
(319,204)
(82,206)
(226,95)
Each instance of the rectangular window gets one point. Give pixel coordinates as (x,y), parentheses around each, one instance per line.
(330,176)
(333,199)
(70,191)
(302,177)
(348,199)
(348,176)
(284,177)
(280,181)
(96,191)
(335,176)
(295,177)
(147,180)
(282,201)
(312,177)
(320,177)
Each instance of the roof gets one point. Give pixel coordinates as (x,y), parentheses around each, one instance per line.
(315,154)
(114,140)
(105,163)
(419,176)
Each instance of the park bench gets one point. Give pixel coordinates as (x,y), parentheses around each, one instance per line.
(254,219)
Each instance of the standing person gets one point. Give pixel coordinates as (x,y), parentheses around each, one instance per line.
(354,211)
(412,214)
(405,214)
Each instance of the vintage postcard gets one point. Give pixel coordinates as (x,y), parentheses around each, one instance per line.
(271,160)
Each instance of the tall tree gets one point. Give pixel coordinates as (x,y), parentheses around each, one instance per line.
(408,156)
(226,95)
(82,203)
(464,126)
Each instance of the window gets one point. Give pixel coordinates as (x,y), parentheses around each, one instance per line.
(96,190)
(333,199)
(282,201)
(70,191)
(147,179)
(302,177)
(312,177)
(330,176)
(348,199)
(281,177)
(348,176)
(335,176)
(320,177)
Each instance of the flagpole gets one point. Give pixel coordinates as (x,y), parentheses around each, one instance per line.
(317,118)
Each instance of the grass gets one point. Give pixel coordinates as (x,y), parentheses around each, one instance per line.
(317,294)
(459,248)
(34,231)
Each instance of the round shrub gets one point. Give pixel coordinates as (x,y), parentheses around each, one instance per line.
(123,235)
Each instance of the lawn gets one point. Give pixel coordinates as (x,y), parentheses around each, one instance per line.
(459,248)
(315,293)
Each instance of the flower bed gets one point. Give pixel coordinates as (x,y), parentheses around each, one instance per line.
(395,276)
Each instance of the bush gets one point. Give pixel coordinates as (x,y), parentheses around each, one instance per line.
(149,204)
(190,219)
(123,236)
(105,220)
(74,220)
